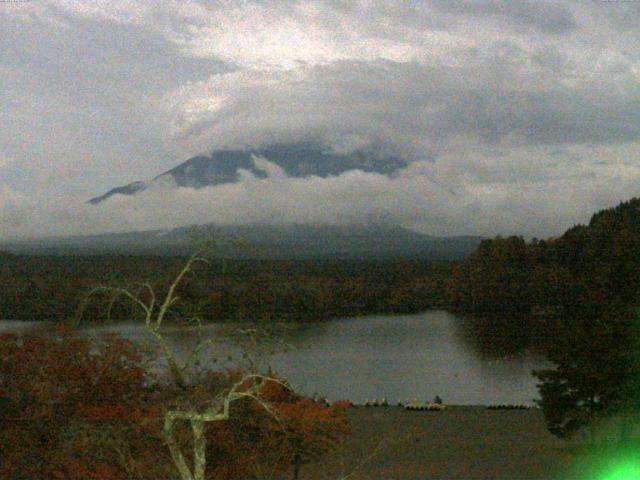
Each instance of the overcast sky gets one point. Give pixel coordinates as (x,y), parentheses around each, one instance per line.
(519,117)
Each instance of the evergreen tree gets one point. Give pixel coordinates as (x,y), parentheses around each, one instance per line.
(597,370)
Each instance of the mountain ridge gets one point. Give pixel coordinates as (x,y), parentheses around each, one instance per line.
(296,160)
(283,241)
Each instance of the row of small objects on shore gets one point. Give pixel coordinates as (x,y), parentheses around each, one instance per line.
(429,407)
(517,406)
(407,406)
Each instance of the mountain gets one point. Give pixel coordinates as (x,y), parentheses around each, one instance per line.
(292,241)
(128,189)
(297,160)
(265,240)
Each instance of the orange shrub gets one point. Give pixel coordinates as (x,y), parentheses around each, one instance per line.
(62,395)
(72,408)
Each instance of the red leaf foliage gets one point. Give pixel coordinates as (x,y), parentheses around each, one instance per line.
(58,390)
(74,408)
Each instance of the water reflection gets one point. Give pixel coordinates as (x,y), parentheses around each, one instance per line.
(404,357)
(493,337)
(397,357)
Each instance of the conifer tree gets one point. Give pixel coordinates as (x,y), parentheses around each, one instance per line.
(597,371)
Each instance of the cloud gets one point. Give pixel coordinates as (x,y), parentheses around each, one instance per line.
(529,190)
(546,17)
(527,110)
(5,160)
(510,94)
(82,100)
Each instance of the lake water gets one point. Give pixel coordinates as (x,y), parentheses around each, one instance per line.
(397,357)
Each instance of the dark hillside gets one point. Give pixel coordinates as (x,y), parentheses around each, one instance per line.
(522,289)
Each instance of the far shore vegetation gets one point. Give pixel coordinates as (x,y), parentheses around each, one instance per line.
(51,288)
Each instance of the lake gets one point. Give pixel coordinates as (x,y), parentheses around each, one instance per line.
(399,357)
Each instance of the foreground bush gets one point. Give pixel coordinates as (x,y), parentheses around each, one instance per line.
(74,408)
(60,392)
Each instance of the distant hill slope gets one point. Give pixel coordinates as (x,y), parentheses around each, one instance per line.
(297,160)
(267,241)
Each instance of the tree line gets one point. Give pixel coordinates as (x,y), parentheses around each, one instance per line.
(52,287)
(573,297)
(534,287)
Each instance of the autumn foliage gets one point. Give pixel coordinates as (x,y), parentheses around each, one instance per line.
(265,444)
(78,408)
(62,396)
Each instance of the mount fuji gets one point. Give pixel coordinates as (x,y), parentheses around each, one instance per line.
(297,160)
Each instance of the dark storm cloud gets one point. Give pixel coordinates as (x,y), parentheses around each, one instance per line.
(417,108)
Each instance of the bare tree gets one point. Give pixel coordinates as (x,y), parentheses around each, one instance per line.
(215,409)
(219,410)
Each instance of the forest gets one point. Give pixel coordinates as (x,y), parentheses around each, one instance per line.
(80,407)
(527,290)
(53,287)
(574,298)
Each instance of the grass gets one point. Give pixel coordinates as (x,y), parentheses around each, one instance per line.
(460,442)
